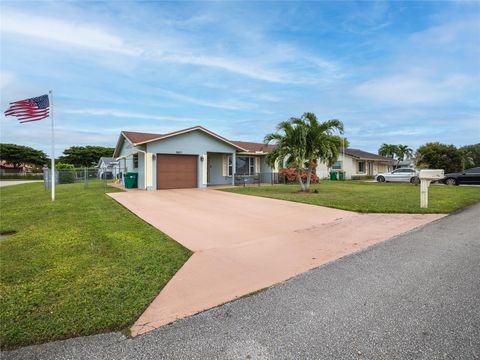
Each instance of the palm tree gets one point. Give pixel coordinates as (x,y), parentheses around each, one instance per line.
(320,141)
(388,150)
(290,147)
(404,152)
(302,141)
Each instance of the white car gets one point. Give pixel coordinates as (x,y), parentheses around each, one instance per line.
(399,175)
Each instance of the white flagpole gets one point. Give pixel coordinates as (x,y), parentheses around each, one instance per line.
(53,146)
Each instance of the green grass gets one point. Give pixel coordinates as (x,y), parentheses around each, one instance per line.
(77,266)
(371,197)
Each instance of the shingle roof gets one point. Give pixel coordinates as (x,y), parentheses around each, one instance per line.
(107,160)
(253,146)
(138,137)
(366,155)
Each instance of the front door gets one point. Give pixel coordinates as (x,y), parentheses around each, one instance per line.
(370,168)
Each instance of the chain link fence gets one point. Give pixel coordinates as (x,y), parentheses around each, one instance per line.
(95,178)
(260,179)
(89,177)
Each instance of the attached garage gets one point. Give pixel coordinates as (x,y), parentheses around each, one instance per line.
(176,160)
(177,171)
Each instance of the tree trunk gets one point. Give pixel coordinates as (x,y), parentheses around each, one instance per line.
(309,177)
(300,181)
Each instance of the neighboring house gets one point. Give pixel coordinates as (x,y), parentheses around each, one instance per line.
(192,157)
(107,167)
(409,164)
(357,162)
(7,168)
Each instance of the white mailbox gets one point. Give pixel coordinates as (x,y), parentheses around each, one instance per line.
(426,177)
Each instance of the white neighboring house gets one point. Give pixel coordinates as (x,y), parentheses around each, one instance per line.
(107,167)
(408,163)
(357,162)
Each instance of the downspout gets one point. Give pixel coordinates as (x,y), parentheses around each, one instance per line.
(119,166)
(145,166)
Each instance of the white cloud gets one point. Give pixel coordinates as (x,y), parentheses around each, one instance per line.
(229,105)
(409,89)
(73,34)
(126,114)
(264,61)
(247,67)
(448,34)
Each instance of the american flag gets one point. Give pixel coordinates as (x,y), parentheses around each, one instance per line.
(27,110)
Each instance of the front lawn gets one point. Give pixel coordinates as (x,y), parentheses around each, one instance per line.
(77,266)
(371,197)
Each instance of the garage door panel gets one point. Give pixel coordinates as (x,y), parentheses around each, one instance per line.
(176,171)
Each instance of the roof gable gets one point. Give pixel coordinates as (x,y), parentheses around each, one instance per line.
(366,155)
(137,138)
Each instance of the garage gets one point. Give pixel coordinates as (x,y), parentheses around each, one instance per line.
(176,171)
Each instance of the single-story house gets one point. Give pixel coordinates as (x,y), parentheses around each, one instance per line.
(192,157)
(408,164)
(107,167)
(355,162)
(198,157)
(7,168)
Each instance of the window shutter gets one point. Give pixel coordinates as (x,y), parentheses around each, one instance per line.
(257,164)
(224,165)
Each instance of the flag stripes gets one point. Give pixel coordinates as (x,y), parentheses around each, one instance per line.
(29,110)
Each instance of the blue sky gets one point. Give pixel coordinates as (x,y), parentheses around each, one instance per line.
(394,72)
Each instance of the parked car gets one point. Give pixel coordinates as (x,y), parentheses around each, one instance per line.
(399,175)
(469,176)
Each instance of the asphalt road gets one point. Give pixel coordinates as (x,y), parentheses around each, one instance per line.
(416,296)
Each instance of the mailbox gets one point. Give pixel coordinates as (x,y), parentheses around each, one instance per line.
(426,177)
(432,175)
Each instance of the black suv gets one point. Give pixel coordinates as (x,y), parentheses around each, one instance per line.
(469,176)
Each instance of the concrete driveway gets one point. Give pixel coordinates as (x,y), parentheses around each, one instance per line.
(4,183)
(244,243)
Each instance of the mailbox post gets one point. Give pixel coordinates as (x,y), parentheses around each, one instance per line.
(426,177)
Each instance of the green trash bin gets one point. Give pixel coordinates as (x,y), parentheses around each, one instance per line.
(333,175)
(341,175)
(131,180)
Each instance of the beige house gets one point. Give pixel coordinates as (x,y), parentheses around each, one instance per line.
(356,162)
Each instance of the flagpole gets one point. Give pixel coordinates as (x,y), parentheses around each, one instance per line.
(53,146)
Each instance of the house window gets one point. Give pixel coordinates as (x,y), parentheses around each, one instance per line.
(244,165)
(230,166)
(135,161)
(361,166)
(337,165)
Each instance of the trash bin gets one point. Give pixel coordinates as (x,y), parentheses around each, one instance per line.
(341,175)
(333,175)
(131,179)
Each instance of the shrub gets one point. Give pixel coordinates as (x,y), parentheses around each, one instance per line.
(363,177)
(61,166)
(66,173)
(290,176)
